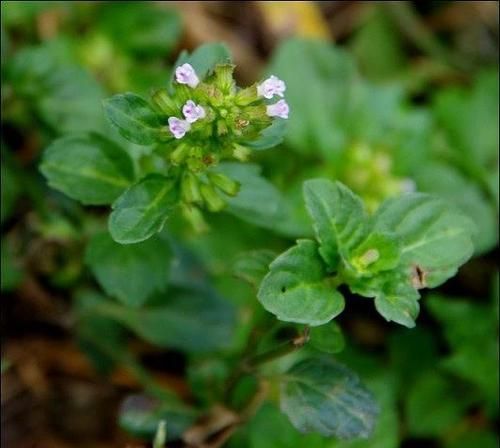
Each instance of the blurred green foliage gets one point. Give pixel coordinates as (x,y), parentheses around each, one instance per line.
(354,118)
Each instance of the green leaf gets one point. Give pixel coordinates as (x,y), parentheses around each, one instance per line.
(433,405)
(258,202)
(378,252)
(399,304)
(252,266)
(141,28)
(378,46)
(467,326)
(88,168)
(134,118)
(131,273)
(447,182)
(296,288)
(204,58)
(318,118)
(270,137)
(64,95)
(434,237)
(338,218)
(140,415)
(194,321)
(141,211)
(321,395)
(327,338)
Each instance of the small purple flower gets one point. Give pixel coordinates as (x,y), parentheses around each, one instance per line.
(185,74)
(193,111)
(279,109)
(270,87)
(178,127)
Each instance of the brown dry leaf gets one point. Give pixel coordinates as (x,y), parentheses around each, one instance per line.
(213,429)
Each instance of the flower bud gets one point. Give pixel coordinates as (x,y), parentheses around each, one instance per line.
(166,104)
(247,96)
(180,154)
(224,78)
(224,183)
(190,189)
(214,202)
(195,218)
(185,74)
(241,152)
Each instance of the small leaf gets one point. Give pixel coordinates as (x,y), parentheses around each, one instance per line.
(130,273)
(321,395)
(88,168)
(141,211)
(328,338)
(338,218)
(134,118)
(296,288)
(400,305)
(204,58)
(378,252)
(269,137)
(258,202)
(252,266)
(435,238)
(141,28)
(434,405)
(194,321)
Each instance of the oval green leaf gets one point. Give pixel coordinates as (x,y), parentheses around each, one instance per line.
(321,395)
(88,168)
(296,288)
(141,211)
(134,118)
(132,272)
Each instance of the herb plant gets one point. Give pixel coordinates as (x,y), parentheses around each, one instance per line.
(268,246)
(191,128)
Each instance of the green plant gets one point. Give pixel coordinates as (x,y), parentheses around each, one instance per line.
(411,242)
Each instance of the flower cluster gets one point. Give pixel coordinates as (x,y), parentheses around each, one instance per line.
(185,75)
(210,119)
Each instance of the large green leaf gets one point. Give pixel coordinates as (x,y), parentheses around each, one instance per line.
(131,273)
(338,218)
(399,303)
(447,182)
(467,326)
(319,109)
(141,211)
(433,405)
(327,338)
(435,238)
(258,201)
(134,118)
(197,321)
(296,288)
(321,395)
(141,28)
(87,167)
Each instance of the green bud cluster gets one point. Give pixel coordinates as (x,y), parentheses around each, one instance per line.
(234,117)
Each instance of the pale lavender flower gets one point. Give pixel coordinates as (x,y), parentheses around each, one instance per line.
(279,109)
(185,74)
(193,111)
(178,127)
(270,87)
